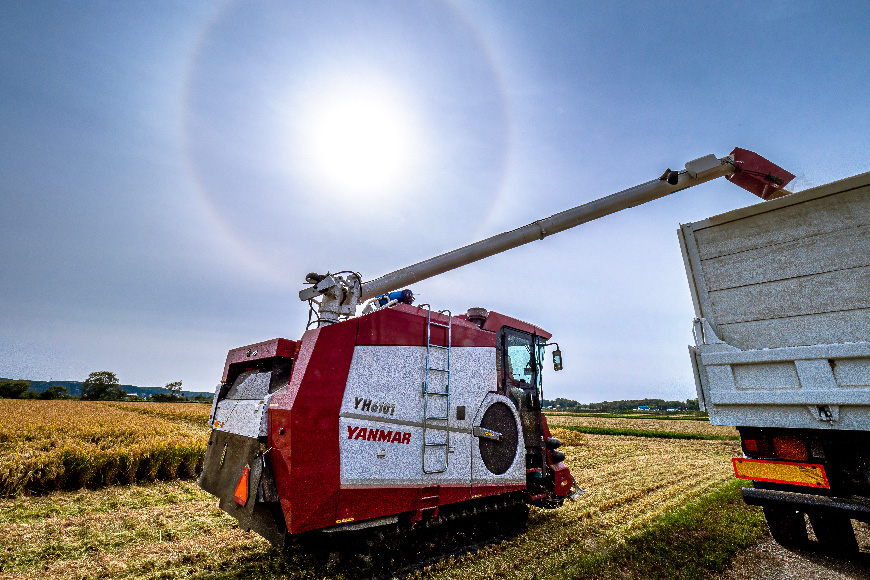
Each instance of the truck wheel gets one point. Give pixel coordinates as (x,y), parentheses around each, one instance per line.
(835,533)
(787,526)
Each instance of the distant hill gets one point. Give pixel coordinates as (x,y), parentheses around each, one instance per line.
(75,389)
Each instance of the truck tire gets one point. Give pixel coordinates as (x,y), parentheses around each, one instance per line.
(787,526)
(835,533)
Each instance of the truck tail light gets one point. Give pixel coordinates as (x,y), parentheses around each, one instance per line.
(756,444)
(790,447)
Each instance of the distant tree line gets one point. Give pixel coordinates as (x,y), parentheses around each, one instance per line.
(621,406)
(99,386)
(21,390)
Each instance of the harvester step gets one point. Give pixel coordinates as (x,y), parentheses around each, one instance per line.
(439,346)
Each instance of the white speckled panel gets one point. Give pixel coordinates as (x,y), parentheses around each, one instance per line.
(384,394)
(244,410)
(242,417)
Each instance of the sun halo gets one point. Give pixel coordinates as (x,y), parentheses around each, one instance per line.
(358,139)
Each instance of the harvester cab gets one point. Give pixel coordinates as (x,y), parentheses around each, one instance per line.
(385,417)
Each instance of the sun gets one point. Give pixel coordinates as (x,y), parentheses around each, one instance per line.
(358,137)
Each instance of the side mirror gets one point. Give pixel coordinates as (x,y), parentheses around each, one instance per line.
(557,360)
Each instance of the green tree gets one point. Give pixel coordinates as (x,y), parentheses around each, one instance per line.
(13,389)
(102,386)
(173,396)
(174,388)
(55,392)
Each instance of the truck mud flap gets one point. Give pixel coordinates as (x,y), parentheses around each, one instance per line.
(226,457)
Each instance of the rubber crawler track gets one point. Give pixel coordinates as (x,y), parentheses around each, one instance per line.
(400,549)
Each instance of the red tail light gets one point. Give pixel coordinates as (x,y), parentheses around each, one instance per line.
(241,495)
(757,444)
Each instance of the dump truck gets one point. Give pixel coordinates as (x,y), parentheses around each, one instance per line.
(781,292)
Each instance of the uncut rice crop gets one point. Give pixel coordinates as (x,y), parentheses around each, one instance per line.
(49,445)
(665,425)
(196,413)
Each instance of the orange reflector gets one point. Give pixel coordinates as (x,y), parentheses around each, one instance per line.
(242,488)
(809,474)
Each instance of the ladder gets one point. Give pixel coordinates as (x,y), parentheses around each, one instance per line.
(435,423)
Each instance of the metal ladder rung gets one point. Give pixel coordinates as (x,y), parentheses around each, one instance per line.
(439,423)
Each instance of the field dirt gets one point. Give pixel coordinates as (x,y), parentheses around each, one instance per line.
(767,560)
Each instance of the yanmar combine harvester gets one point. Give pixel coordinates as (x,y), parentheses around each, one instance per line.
(390,420)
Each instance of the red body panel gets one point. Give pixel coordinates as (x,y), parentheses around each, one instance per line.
(487,489)
(404,325)
(563,479)
(307,453)
(258,351)
(362,503)
(495,321)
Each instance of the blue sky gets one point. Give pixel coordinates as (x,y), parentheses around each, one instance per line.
(169,178)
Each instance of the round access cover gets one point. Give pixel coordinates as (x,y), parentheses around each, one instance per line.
(498,456)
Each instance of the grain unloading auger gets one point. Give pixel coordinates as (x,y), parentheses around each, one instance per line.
(402,418)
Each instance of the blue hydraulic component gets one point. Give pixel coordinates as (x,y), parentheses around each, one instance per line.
(403,296)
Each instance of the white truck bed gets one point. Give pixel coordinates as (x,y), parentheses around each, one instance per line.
(782,303)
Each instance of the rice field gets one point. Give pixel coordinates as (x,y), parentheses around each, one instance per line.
(173,530)
(53,445)
(196,413)
(681,426)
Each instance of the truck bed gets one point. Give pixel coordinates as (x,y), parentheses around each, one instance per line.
(781,291)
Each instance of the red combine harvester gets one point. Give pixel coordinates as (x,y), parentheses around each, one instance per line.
(389,418)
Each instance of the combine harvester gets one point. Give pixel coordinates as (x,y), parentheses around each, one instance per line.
(402,421)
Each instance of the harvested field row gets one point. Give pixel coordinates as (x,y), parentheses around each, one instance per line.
(663,425)
(179,532)
(646,433)
(50,445)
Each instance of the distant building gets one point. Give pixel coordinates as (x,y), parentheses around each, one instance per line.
(642,408)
